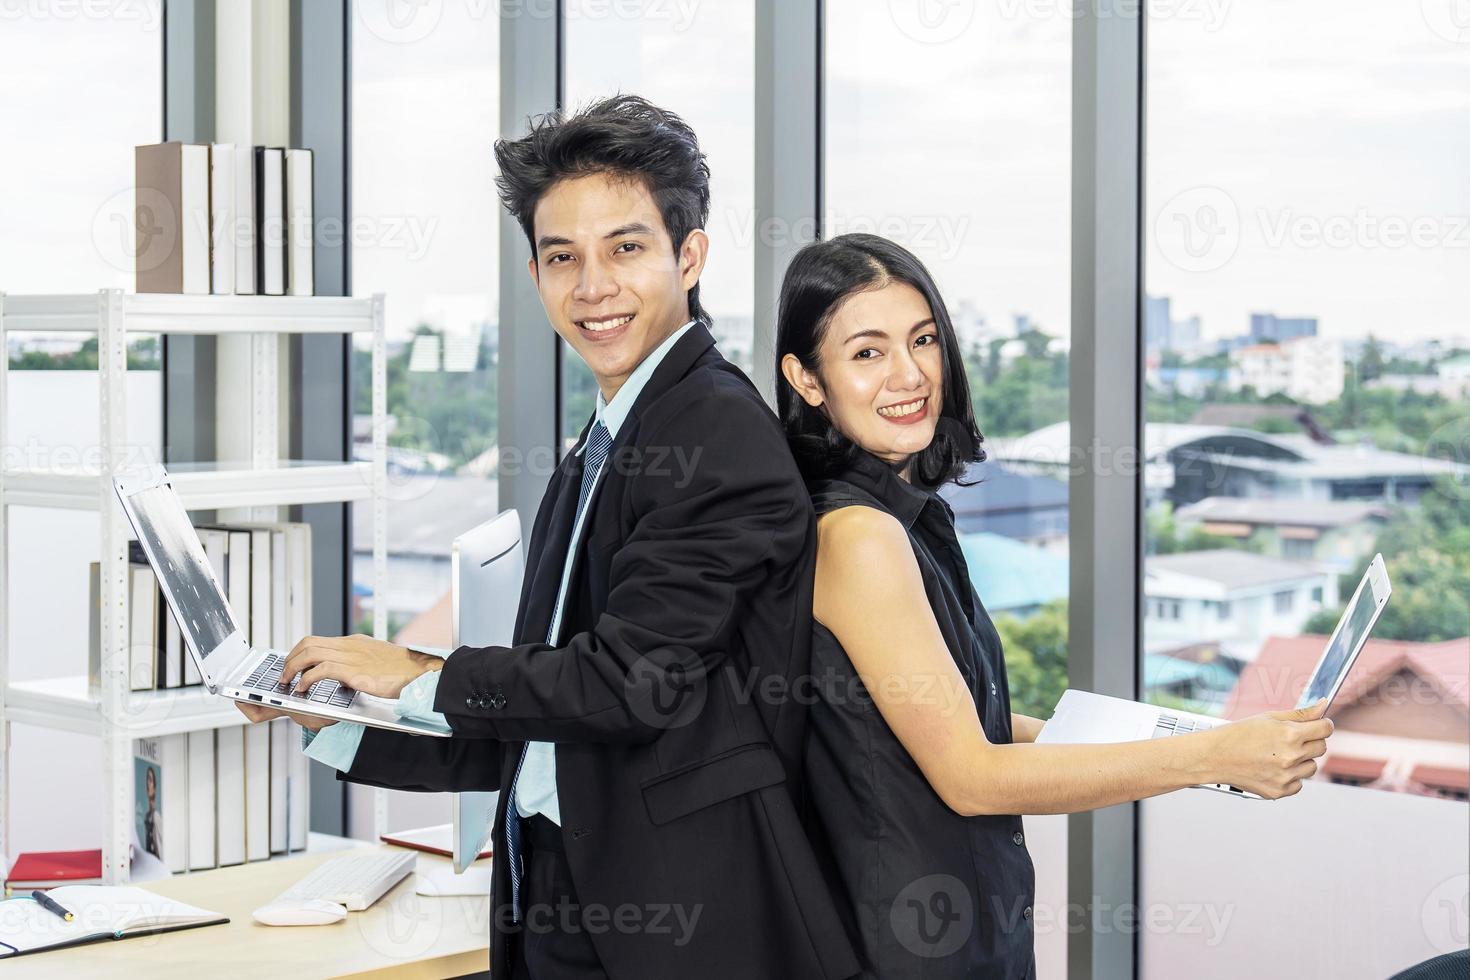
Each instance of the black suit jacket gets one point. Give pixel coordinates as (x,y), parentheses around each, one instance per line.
(675,701)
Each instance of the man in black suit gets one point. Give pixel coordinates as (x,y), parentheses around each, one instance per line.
(640,731)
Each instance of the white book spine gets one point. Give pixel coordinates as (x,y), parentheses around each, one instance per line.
(176,802)
(257,792)
(280,613)
(243,230)
(299,582)
(280,730)
(260,588)
(270,208)
(142,627)
(194,221)
(238,580)
(298,791)
(173,652)
(222,218)
(299,225)
(202,803)
(230,793)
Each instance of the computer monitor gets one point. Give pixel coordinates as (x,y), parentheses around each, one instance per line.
(486,567)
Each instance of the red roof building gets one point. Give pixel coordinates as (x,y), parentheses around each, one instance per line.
(1402,716)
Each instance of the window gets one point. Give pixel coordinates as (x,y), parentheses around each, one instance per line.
(951,135)
(424,231)
(83,85)
(700,64)
(1297,548)
(1302,226)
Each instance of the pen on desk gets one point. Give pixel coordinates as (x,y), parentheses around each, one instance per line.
(51,905)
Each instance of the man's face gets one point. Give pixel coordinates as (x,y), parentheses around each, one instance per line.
(613,283)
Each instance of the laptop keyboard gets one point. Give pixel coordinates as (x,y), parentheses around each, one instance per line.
(1174,725)
(267,677)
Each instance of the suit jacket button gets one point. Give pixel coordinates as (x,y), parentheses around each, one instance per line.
(1018,838)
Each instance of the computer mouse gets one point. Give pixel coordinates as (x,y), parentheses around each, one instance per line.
(300,912)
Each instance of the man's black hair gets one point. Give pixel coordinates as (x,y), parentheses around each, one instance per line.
(622,136)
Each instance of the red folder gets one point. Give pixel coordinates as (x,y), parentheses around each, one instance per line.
(40,869)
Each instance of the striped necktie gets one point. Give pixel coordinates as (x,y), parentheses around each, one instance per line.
(594,453)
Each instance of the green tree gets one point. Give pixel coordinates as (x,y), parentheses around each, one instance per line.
(1370,361)
(1036,658)
(1427,551)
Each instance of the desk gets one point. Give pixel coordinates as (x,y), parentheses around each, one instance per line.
(401,935)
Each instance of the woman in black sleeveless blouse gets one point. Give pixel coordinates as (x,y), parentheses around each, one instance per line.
(917,767)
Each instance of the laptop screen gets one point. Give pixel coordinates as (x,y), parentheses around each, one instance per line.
(195,597)
(1355,622)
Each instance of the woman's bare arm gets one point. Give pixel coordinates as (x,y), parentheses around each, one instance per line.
(1024,728)
(870,594)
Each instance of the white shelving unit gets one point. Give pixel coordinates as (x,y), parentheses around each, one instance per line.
(258,485)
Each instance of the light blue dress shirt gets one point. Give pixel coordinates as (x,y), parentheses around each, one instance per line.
(336,745)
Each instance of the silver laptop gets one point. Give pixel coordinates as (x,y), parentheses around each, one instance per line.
(1082,717)
(486,566)
(229,666)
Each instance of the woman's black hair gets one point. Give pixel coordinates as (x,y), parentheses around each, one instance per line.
(820,277)
(623,135)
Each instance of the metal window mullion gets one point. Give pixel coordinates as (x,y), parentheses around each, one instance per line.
(528,371)
(1105,496)
(788,158)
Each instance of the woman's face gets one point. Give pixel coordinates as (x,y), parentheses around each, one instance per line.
(879,377)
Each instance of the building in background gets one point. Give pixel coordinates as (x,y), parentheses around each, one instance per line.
(1333,535)
(1268,327)
(1012,577)
(1161,332)
(1031,508)
(1306,369)
(1402,717)
(1186,463)
(426,512)
(1233,598)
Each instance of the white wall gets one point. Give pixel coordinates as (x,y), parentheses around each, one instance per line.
(1336,883)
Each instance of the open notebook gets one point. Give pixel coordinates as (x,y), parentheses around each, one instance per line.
(101,912)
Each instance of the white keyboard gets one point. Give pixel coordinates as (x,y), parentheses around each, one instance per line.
(353,881)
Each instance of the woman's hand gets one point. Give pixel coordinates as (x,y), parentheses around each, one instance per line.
(257,713)
(360,662)
(1270,754)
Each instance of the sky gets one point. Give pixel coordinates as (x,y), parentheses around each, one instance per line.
(1303,158)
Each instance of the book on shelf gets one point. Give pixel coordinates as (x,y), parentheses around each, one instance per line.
(201,849)
(281,753)
(45,869)
(143,603)
(298,792)
(171,233)
(257,792)
(99,912)
(264,570)
(222,218)
(270,221)
(161,798)
(225,219)
(229,770)
(299,272)
(244,215)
